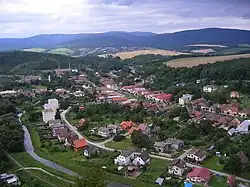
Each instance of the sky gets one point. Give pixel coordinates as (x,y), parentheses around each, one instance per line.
(23,18)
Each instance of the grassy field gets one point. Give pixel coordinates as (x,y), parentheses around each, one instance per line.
(204,51)
(217,181)
(213,163)
(122,145)
(233,50)
(195,61)
(131,54)
(39,50)
(206,45)
(61,51)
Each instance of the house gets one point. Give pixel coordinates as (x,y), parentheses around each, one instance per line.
(48,115)
(113,128)
(82,122)
(62,133)
(231,110)
(90,151)
(10,179)
(125,157)
(126,125)
(70,139)
(53,103)
(159,181)
(162,147)
(231,131)
(104,132)
(185,99)
(243,128)
(209,88)
(142,160)
(163,97)
(144,128)
(133,129)
(175,143)
(234,94)
(199,176)
(243,158)
(177,167)
(196,155)
(79,144)
(231,182)
(244,113)
(54,122)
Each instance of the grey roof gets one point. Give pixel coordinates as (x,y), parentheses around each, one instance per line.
(103,129)
(178,163)
(243,157)
(173,141)
(197,152)
(54,121)
(111,126)
(159,180)
(160,144)
(127,153)
(144,156)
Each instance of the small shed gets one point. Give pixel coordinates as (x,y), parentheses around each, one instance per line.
(159,181)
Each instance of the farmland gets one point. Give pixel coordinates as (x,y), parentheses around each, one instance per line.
(195,61)
(131,54)
(39,50)
(61,51)
(204,51)
(206,45)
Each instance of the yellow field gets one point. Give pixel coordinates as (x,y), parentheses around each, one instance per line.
(204,51)
(206,45)
(195,61)
(131,54)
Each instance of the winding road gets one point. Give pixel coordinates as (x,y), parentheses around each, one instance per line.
(30,150)
(101,145)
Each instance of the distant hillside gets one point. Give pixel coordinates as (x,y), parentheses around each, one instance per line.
(178,40)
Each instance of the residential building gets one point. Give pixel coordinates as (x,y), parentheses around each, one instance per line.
(243,128)
(82,122)
(185,99)
(199,175)
(177,167)
(70,139)
(175,143)
(231,110)
(125,157)
(10,179)
(234,94)
(162,147)
(61,132)
(163,97)
(113,128)
(90,151)
(79,144)
(53,103)
(209,88)
(104,132)
(231,182)
(159,181)
(144,128)
(8,93)
(196,155)
(142,160)
(126,125)
(48,115)
(244,113)
(53,123)
(231,131)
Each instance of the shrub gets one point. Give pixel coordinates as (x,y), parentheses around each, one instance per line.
(119,138)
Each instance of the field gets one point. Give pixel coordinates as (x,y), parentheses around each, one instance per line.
(39,50)
(131,54)
(124,144)
(195,61)
(206,45)
(61,51)
(204,51)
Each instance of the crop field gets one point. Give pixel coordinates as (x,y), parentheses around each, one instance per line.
(61,51)
(195,61)
(39,50)
(206,45)
(131,54)
(204,51)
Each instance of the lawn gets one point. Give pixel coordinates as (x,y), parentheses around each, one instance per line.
(122,145)
(213,163)
(218,182)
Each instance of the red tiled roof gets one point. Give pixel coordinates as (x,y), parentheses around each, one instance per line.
(133,129)
(204,173)
(126,124)
(164,96)
(231,181)
(80,143)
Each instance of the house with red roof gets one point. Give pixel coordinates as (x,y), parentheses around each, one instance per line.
(199,176)
(126,125)
(234,94)
(231,181)
(82,122)
(79,144)
(163,97)
(231,109)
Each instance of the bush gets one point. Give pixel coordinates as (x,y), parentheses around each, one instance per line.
(119,138)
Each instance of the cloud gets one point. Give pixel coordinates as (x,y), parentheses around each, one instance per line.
(19,18)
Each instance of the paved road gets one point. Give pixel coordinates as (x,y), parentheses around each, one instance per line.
(30,150)
(102,146)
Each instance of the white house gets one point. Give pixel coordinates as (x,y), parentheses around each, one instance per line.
(142,160)
(53,103)
(186,98)
(209,88)
(243,128)
(48,115)
(177,167)
(10,179)
(104,132)
(125,157)
(196,155)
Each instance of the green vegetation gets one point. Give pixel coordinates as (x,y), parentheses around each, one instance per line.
(213,163)
(124,144)
(218,182)
(61,51)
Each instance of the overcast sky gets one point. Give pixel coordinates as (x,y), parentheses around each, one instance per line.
(21,18)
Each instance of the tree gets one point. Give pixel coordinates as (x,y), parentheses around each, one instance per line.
(57,116)
(233,164)
(184,116)
(140,139)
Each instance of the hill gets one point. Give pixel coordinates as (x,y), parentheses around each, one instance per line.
(177,40)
